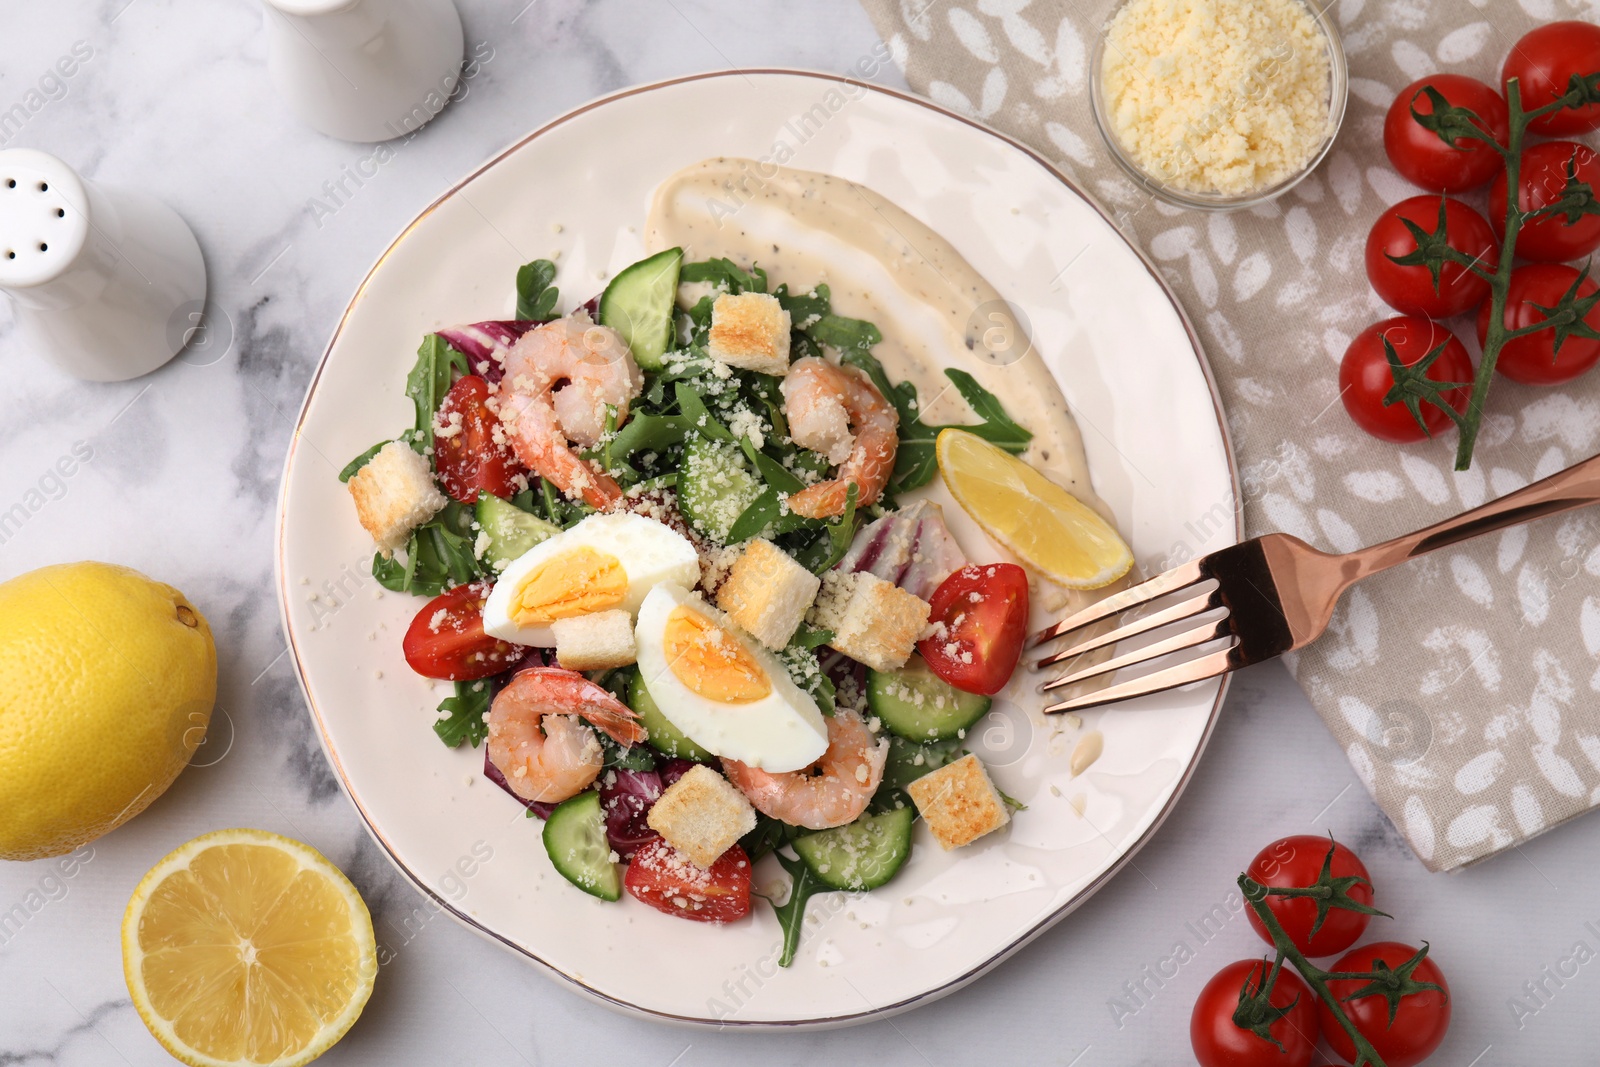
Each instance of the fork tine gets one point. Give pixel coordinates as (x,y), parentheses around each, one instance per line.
(1162,584)
(1178,612)
(1195,670)
(1211,631)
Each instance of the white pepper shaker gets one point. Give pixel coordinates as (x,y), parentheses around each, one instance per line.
(103,281)
(364,70)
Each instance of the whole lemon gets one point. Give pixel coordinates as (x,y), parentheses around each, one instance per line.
(106,685)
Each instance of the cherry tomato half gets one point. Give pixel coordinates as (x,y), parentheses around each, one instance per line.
(1533,360)
(981,618)
(1295,862)
(1423,158)
(1219,1042)
(1544,61)
(1365,377)
(470,456)
(1550,239)
(1410,289)
(446,639)
(667,881)
(1419,1023)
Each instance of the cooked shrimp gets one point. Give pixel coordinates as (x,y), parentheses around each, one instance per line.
(536,740)
(824,403)
(560,377)
(831,792)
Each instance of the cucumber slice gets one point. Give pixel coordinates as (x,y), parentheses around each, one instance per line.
(861,855)
(575,837)
(715,485)
(663,736)
(511,530)
(919,705)
(638,304)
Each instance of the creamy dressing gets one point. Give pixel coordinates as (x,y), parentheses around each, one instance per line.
(884,265)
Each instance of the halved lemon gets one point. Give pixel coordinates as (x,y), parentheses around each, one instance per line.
(244,947)
(1047,527)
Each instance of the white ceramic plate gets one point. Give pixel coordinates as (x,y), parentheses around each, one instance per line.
(1127,362)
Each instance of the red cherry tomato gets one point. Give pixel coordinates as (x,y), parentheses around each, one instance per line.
(1423,158)
(981,618)
(1410,290)
(1295,862)
(1365,377)
(1550,239)
(446,639)
(662,877)
(468,456)
(1419,1024)
(1219,1042)
(1544,61)
(1533,360)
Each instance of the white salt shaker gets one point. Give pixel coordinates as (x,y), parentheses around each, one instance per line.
(106,282)
(364,70)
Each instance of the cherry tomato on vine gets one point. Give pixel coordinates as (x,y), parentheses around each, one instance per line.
(1419,1022)
(1219,1042)
(1365,377)
(1533,360)
(1420,155)
(1295,863)
(1410,289)
(446,639)
(1544,61)
(470,456)
(981,614)
(1551,239)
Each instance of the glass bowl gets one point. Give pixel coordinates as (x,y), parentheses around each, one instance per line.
(1338,97)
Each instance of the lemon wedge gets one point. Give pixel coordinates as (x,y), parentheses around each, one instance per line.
(244,947)
(1047,527)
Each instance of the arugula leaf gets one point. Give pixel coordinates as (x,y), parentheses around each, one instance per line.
(772,472)
(536,297)
(650,433)
(632,758)
(464,712)
(847,335)
(769,835)
(360,461)
(792,912)
(810,638)
(700,419)
(439,556)
(805,309)
(727,274)
(430,379)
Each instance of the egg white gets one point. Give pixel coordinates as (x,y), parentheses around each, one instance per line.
(650,553)
(783,731)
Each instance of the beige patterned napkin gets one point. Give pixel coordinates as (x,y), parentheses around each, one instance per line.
(1463,686)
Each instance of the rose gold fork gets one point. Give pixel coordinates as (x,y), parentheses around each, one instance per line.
(1276,594)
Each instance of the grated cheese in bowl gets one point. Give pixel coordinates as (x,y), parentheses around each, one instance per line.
(1218,103)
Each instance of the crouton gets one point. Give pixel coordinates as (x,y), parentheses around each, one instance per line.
(750,331)
(702,815)
(394,494)
(959,802)
(768,593)
(873,621)
(595,642)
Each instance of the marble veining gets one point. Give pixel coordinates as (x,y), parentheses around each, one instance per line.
(182,484)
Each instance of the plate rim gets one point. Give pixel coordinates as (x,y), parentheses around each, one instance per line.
(624,1006)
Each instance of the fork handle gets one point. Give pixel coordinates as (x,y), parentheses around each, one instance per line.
(1575,487)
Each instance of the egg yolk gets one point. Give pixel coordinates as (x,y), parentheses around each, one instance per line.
(579,582)
(708,660)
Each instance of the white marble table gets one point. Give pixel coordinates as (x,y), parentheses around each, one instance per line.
(183,482)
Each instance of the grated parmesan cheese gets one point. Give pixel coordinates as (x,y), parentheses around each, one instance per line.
(1217,96)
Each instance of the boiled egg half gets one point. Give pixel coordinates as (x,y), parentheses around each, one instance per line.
(602,563)
(723,689)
